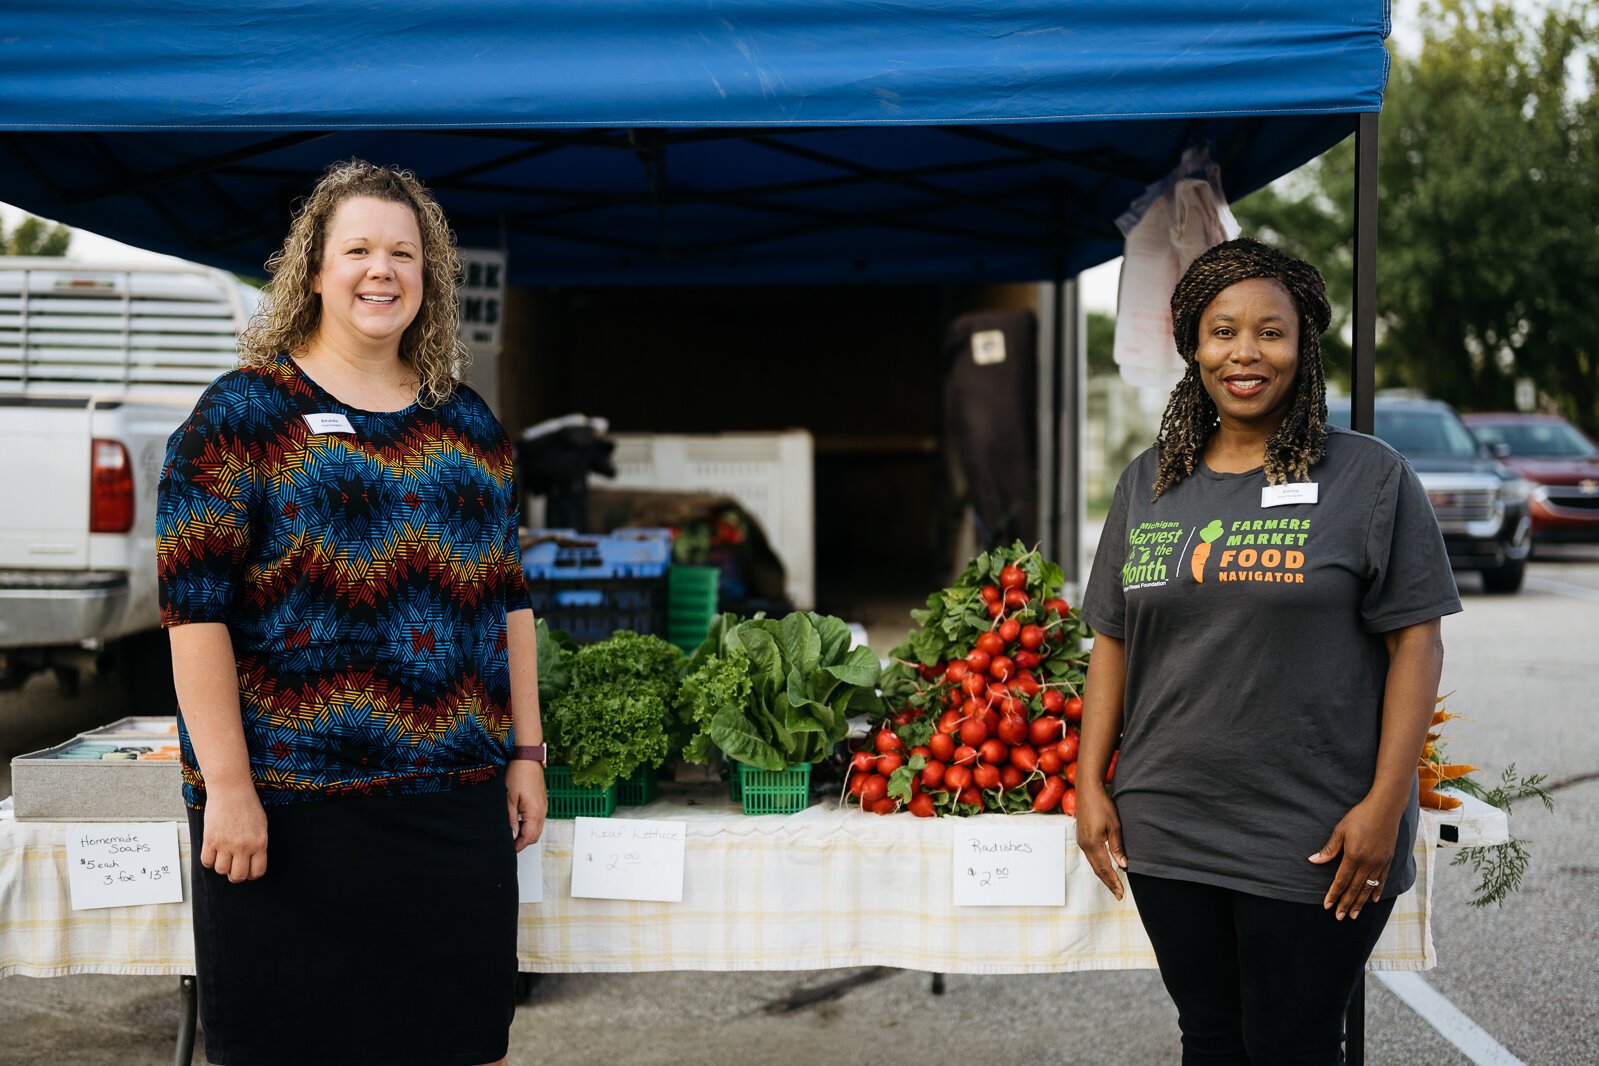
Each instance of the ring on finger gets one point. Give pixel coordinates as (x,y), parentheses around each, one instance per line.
(1373,883)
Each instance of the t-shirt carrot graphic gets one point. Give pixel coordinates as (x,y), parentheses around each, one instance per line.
(1209,535)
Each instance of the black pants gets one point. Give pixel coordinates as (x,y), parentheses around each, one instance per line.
(383,934)
(1257,981)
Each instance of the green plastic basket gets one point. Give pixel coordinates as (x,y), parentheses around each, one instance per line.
(568,800)
(784,792)
(690,604)
(733,767)
(637,790)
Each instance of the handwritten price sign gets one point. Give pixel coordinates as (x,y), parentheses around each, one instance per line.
(632,858)
(530,874)
(123,865)
(1008,861)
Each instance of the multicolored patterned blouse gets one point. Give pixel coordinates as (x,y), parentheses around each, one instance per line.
(364,564)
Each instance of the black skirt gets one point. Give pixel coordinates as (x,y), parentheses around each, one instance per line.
(384,931)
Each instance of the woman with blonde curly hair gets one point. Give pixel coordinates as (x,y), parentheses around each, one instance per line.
(354,657)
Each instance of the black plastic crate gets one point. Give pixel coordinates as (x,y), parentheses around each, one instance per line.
(592,609)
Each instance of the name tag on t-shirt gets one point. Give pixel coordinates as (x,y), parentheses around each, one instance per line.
(328,422)
(1283,495)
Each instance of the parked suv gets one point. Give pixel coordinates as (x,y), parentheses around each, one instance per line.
(1481,503)
(1561,464)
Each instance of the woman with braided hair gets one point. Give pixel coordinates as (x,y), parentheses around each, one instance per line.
(1267,596)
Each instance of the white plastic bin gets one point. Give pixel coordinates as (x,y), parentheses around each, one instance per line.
(770,474)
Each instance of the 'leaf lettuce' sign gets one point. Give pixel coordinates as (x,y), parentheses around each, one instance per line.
(631,858)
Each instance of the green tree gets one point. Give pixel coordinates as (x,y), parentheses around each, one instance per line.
(35,236)
(1101,342)
(1488,226)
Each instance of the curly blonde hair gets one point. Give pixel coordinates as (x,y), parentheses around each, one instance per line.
(1190,419)
(291,312)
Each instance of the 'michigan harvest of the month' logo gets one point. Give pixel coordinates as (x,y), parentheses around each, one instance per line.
(1149,547)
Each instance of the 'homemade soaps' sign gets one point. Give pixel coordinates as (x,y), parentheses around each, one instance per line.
(123,865)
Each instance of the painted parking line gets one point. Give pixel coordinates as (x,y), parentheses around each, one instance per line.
(1561,588)
(1436,1010)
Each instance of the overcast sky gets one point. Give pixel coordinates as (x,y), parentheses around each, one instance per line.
(1099,284)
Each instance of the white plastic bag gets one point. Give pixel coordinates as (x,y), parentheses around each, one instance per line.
(1166,229)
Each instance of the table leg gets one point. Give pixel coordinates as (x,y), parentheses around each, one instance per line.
(1355,1024)
(938,984)
(186,1016)
(525,983)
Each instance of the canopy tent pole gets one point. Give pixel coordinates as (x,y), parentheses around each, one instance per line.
(1061,410)
(1363,372)
(1069,438)
(1362,415)
(1048,443)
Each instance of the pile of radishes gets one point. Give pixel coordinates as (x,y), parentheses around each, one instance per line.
(990,725)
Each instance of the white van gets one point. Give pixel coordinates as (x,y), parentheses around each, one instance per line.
(98,365)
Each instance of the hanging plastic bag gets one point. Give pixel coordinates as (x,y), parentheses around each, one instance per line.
(1166,229)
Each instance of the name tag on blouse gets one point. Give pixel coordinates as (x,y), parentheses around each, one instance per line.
(328,422)
(1283,495)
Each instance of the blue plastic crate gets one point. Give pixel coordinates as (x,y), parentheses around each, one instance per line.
(565,555)
(591,610)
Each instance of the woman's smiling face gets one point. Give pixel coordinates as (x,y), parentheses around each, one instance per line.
(1248,353)
(370,277)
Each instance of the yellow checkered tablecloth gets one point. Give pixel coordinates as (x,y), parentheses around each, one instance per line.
(820,889)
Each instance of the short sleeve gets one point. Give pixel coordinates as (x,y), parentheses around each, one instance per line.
(1104,604)
(1409,578)
(205,507)
(512,575)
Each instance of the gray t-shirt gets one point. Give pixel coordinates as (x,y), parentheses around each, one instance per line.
(1255,659)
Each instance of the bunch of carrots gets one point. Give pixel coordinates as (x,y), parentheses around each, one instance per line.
(1433,771)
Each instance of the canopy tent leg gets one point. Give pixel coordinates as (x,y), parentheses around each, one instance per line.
(1044,398)
(1363,372)
(1362,416)
(1061,409)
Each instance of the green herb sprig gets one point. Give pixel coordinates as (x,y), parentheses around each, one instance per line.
(1501,868)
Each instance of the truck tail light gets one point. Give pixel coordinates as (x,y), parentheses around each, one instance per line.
(111,488)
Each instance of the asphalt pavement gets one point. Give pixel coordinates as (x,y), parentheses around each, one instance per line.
(1522,978)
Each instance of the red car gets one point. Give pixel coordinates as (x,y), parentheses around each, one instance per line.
(1561,463)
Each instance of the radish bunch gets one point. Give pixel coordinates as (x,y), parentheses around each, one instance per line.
(989,697)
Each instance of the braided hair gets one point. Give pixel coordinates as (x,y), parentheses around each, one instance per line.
(1190,420)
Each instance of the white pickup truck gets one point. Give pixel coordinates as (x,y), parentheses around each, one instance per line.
(98,365)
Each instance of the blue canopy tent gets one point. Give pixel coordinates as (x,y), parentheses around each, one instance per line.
(670,141)
(691,141)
